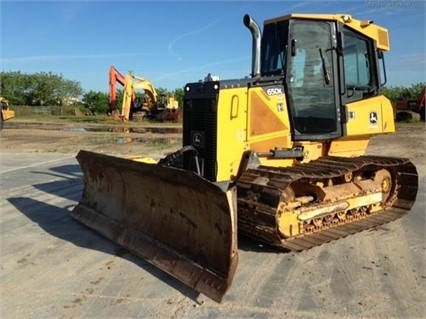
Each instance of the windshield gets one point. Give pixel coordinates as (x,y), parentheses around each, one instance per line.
(309,80)
(274,46)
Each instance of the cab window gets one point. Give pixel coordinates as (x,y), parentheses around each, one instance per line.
(357,62)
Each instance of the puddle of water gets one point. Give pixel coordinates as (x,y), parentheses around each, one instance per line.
(156,141)
(74,129)
(157,130)
(124,140)
(164,130)
(54,126)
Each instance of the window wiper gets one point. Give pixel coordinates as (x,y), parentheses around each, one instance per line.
(324,69)
(359,87)
(275,72)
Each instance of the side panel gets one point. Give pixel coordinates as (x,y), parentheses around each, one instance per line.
(349,146)
(364,119)
(369,117)
(268,118)
(231,131)
(268,122)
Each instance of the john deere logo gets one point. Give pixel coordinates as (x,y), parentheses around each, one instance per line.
(373,117)
(196,139)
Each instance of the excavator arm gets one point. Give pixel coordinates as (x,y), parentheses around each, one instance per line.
(115,77)
(130,83)
(147,86)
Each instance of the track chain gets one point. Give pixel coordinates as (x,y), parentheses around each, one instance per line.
(260,191)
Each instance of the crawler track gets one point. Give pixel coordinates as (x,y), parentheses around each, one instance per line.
(265,192)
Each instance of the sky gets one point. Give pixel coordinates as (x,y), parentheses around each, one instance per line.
(171,43)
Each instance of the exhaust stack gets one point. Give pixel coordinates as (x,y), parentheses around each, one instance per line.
(256,34)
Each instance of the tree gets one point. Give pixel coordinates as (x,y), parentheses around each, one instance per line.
(96,101)
(162,91)
(13,86)
(393,93)
(37,89)
(179,94)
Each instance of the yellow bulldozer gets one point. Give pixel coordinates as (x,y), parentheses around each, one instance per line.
(278,157)
(6,112)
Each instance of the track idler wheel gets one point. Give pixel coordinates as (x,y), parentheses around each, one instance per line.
(384,178)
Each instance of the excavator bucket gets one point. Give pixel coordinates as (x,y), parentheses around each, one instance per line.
(175,219)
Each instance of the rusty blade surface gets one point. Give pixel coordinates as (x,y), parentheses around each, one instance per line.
(175,219)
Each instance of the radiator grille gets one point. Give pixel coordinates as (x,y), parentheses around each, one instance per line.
(200,118)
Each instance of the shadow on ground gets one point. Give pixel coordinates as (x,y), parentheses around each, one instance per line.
(58,222)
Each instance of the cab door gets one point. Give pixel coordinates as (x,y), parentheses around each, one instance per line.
(312,80)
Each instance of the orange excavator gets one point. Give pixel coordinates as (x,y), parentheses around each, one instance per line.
(114,77)
(155,106)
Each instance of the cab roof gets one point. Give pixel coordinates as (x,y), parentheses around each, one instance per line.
(366,27)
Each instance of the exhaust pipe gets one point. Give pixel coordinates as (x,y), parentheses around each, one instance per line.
(256,34)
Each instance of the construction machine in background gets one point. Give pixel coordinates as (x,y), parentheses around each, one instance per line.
(6,112)
(153,106)
(277,157)
(405,105)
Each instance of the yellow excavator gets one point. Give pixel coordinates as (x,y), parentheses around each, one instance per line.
(6,112)
(155,106)
(277,157)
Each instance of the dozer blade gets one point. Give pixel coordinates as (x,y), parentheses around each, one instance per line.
(175,219)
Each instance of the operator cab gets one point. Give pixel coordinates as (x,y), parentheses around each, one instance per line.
(324,65)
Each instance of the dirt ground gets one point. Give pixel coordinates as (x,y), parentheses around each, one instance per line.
(29,136)
(374,274)
(158,139)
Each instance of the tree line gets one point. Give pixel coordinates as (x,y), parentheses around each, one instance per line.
(37,89)
(46,88)
(395,93)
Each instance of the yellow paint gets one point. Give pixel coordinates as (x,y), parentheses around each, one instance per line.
(365,27)
(231,132)
(360,112)
(349,146)
(147,160)
(6,112)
